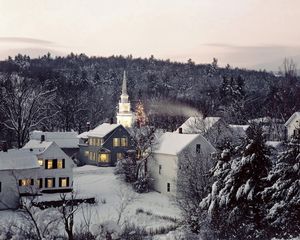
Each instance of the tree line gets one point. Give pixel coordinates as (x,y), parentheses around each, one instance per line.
(64,93)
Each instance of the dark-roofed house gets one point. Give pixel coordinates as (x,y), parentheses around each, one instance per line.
(104,145)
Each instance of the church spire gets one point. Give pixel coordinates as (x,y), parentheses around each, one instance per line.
(124,85)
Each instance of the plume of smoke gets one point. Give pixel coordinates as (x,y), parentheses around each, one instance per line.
(166,107)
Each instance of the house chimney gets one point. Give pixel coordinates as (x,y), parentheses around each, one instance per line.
(43,129)
(4,146)
(180,130)
(111,120)
(42,138)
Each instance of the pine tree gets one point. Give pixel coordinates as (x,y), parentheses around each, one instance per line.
(282,196)
(234,207)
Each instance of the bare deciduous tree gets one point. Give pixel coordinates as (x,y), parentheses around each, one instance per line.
(24,107)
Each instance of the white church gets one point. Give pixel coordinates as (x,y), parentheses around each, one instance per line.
(125,116)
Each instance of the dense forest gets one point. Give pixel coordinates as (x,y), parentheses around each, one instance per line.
(64,93)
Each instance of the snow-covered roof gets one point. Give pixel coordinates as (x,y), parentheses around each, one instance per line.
(16,159)
(100,131)
(265,120)
(296,114)
(62,139)
(173,143)
(37,146)
(240,127)
(198,124)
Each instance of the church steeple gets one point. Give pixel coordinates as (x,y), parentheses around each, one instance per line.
(125,116)
(124,85)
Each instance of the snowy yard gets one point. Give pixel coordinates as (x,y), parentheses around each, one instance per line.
(111,193)
(150,210)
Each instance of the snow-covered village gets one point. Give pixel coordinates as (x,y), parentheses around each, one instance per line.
(155,120)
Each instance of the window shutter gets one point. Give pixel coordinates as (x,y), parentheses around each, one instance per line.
(54,163)
(46,183)
(46,164)
(53,182)
(68,182)
(59,182)
(20,182)
(31,181)
(0,186)
(63,163)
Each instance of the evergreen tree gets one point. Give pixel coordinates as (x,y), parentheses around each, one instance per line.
(282,196)
(234,208)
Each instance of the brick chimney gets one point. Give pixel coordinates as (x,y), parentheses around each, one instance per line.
(111,120)
(42,138)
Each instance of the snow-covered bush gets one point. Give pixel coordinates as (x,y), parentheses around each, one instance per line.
(142,184)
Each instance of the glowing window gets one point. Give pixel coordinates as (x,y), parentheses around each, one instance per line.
(90,141)
(49,164)
(26,182)
(41,162)
(103,157)
(61,163)
(124,142)
(116,142)
(64,182)
(91,156)
(49,182)
(86,153)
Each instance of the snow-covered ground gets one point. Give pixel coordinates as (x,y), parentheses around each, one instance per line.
(111,193)
(150,210)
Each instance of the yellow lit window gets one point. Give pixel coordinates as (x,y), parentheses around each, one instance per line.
(86,153)
(124,142)
(41,162)
(50,164)
(116,142)
(103,157)
(91,156)
(50,182)
(63,182)
(119,156)
(25,182)
(90,141)
(60,163)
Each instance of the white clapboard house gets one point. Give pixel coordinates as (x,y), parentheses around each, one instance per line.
(168,155)
(56,167)
(293,126)
(18,176)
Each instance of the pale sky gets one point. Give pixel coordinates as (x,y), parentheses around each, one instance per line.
(245,33)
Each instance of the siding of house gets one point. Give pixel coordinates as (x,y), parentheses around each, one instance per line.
(170,165)
(10,189)
(54,152)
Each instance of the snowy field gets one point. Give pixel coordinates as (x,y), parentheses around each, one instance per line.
(150,210)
